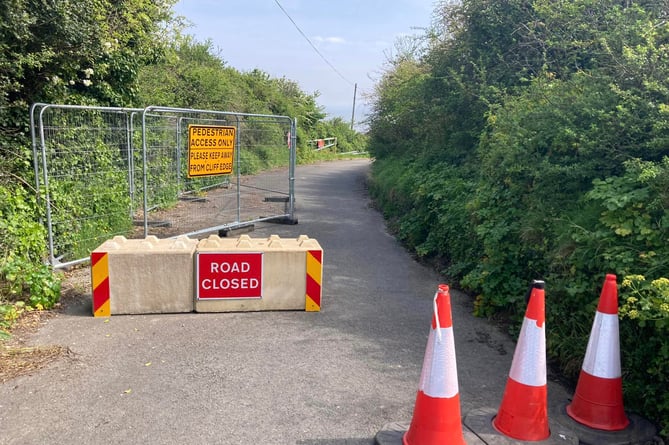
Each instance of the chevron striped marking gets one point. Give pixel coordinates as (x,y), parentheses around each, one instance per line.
(314,279)
(100,281)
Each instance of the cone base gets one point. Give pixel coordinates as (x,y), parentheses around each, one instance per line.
(480,422)
(523,414)
(598,403)
(639,431)
(392,434)
(435,421)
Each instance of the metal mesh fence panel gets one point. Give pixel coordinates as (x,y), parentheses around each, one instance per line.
(84,173)
(257,188)
(103,171)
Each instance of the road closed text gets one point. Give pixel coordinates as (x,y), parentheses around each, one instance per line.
(230,283)
(229,275)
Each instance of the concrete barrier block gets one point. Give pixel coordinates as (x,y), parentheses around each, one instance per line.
(258,274)
(143,276)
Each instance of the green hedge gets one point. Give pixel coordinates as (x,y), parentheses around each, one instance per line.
(521,140)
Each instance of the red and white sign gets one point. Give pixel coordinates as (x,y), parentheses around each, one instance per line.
(228,275)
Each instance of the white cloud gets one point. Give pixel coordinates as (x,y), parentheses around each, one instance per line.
(333,40)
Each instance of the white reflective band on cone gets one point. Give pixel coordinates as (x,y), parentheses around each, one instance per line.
(529,359)
(439,376)
(602,358)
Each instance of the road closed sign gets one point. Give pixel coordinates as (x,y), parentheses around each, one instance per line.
(228,275)
(211,150)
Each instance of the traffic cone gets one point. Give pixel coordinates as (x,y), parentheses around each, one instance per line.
(523,413)
(598,401)
(436,417)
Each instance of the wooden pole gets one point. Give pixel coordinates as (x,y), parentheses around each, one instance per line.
(355,91)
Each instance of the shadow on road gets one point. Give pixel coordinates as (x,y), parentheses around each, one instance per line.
(351,441)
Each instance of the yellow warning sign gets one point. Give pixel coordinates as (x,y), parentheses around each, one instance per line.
(211,150)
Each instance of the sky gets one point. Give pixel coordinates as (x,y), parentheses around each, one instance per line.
(355,37)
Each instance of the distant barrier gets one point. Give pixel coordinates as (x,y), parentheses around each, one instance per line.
(104,171)
(322,144)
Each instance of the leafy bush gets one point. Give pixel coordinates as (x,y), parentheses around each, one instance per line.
(551,122)
(25,279)
(629,237)
(645,314)
(54,52)
(646,301)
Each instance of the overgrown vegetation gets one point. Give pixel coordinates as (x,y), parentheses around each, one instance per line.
(129,53)
(530,139)
(194,75)
(84,52)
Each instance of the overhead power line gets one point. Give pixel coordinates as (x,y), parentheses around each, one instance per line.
(312,45)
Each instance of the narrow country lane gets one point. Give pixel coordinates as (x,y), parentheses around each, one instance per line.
(328,378)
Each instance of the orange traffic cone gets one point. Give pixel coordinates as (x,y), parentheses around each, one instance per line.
(436,416)
(598,401)
(523,414)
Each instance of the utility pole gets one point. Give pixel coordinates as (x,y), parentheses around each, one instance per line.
(355,91)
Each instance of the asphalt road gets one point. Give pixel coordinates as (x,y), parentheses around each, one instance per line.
(328,378)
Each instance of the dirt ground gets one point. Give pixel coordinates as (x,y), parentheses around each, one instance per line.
(260,196)
(17,358)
